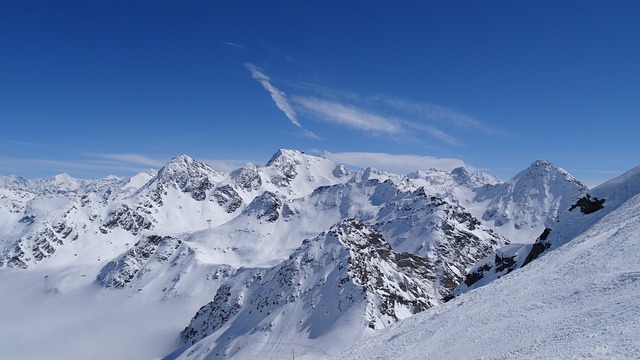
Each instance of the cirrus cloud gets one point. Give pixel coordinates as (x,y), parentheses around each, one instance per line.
(278,96)
(349,115)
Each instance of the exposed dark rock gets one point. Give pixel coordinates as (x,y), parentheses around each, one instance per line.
(247,177)
(505,263)
(186,174)
(33,248)
(538,248)
(588,205)
(27,219)
(228,198)
(128,219)
(267,206)
(473,277)
(121,271)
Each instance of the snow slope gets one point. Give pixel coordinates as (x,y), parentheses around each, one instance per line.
(331,291)
(578,301)
(586,209)
(115,255)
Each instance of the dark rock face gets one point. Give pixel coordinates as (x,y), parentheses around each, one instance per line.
(215,314)
(588,205)
(454,240)
(371,256)
(128,219)
(541,245)
(33,248)
(27,219)
(505,263)
(188,175)
(228,198)
(340,171)
(120,272)
(461,175)
(247,177)
(42,241)
(351,263)
(286,162)
(266,206)
(475,276)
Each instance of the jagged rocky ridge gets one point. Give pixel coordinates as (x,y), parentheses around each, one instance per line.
(194,225)
(119,272)
(350,266)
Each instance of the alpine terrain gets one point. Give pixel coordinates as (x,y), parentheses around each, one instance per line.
(303,257)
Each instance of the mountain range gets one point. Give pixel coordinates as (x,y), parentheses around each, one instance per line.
(302,256)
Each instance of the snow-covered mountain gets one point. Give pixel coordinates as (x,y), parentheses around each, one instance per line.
(522,207)
(266,238)
(335,288)
(579,301)
(578,215)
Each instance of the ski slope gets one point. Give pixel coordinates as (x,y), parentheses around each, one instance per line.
(578,301)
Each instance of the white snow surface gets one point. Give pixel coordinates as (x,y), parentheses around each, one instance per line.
(570,222)
(115,268)
(522,207)
(578,301)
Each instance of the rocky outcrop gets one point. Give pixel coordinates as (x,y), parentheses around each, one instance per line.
(228,198)
(121,271)
(350,265)
(267,206)
(132,220)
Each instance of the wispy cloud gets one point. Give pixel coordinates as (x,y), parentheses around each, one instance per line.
(399,164)
(433,131)
(349,115)
(132,159)
(233,45)
(402,106)
(379,114)
(434,112)
(24,143)
(279,97)
(367,120)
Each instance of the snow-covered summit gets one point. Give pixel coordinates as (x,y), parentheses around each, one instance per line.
(14,182)
(578,214)
(531,200)
(297,174)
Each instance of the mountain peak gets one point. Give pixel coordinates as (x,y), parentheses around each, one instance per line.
(184,163)
(461,175)
(546,167)
(284,156)
(189,175)
(180,159)
(534,197)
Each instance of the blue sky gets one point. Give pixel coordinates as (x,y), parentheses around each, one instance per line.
(114,87)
